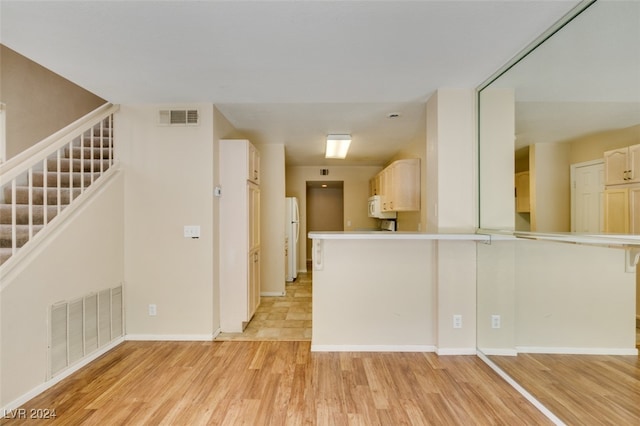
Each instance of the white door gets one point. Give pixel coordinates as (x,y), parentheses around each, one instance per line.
(588,197)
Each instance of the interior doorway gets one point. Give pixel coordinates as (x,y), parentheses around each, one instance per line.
(587,197)
(325,209)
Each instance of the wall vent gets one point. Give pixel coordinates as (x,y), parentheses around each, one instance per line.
(79,327)
(179,117)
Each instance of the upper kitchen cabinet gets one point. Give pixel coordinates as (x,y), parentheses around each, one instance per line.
(254,165)
(399,186)
(622,165)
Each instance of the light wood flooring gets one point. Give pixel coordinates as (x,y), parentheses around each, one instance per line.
(580,389)
(280,383)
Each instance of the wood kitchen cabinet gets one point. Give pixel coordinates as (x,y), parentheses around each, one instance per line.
(400,186)
(622,210)
(253,168)
(239,234)
(523,198)
(622,166)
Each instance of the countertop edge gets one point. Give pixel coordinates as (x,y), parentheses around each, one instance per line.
(386,235)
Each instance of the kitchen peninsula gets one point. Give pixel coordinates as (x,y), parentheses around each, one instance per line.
(376,291)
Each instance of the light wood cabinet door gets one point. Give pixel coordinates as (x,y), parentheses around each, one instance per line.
(622,166)
(615,166)
(634,210)
(633,158)
(405,185)
(253,194)
(523,200)
(253,170)
(616,211)
(253,284)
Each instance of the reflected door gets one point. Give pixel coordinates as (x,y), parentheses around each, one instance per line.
(589,198)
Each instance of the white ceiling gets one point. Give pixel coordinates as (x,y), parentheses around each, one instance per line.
(283,71)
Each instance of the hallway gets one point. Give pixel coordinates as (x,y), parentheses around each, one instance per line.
(286,318)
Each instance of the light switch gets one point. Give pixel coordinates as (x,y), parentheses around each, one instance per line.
(192,231)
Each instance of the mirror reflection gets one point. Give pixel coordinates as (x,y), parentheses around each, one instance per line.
(559,152)
(575,106)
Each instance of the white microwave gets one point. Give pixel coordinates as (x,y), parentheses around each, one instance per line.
(375,209)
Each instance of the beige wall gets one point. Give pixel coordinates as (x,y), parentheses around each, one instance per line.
(592,147)
(550,187)
(30,91)
(325,211)
(497,163)
(169,184)
(272,213)
(356,194)
(83,255)
(451,192)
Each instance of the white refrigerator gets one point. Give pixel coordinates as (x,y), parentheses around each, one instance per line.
(292,227)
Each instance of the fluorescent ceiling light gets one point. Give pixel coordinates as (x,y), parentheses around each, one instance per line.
(337,146)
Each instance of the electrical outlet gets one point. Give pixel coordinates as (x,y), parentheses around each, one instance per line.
(192,231)
(457,321)
(153,310)
(495,321)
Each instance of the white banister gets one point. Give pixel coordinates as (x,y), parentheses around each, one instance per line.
(18,175)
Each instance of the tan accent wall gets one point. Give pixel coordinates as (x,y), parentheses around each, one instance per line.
(38,101)
(592,147)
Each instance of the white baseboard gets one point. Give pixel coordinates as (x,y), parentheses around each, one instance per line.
(170,337)
(544,410)
(576,351)
(498,351)
(456,351)
(273,293)
(373,348)
(59,377)
(216,333)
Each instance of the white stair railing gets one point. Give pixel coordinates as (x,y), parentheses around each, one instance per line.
(75,148)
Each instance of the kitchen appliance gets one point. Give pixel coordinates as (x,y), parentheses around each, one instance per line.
(292,229)
(387,225)
(375,209)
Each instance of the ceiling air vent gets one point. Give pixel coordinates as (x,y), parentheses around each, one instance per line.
(179,117)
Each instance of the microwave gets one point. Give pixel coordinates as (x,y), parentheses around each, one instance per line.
(375,209)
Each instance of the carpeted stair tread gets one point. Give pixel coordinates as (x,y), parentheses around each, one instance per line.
(88,152)
(77,165)
(22,214)
(22,234)
(52,178)
(96,142)
(22,195)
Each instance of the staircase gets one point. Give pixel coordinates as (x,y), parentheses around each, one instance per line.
(38,190)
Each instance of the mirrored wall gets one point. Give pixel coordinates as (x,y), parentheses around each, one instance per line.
(559,160)
(549,123)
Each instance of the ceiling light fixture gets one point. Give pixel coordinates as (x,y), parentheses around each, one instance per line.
(337,146)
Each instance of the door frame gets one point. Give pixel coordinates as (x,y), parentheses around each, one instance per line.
(572,178)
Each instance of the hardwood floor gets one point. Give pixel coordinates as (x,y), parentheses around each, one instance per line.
(280,383)
(580,389)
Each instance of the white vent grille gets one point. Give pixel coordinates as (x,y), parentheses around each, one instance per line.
(104,317)
(76,330)
(90,323)
(58,337)
(179,117)
(79,327)
(117,328)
